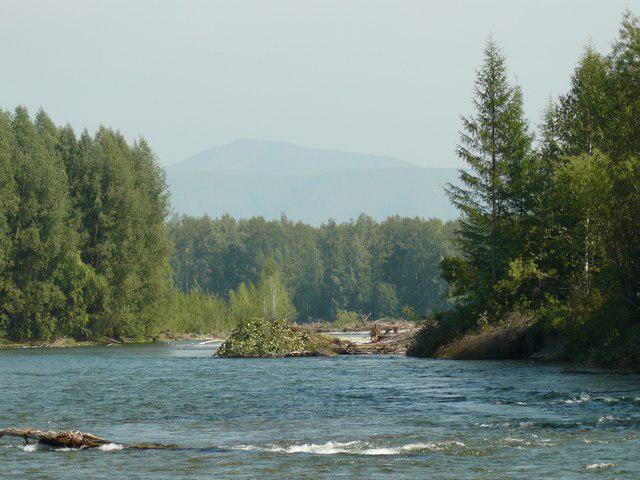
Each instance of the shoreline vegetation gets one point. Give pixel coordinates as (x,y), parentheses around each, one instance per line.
(69,342)
(548,261)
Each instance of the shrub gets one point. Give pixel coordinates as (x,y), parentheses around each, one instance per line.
(346,319)
(258,337)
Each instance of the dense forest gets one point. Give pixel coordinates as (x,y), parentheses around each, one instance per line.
(87,250)
(83,244)
(361,266)
(550,230)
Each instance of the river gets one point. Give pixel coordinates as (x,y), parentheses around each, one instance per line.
(343,417)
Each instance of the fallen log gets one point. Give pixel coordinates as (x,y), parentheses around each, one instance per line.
(73,439)
(61,439)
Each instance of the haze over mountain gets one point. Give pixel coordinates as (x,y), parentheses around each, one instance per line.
(252,177)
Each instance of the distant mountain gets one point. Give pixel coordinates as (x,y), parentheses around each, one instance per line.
(257,157)
(250,177)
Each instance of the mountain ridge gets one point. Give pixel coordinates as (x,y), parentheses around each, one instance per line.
(255,178)
(249,155)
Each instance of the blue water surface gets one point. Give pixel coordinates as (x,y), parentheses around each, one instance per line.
(342,417)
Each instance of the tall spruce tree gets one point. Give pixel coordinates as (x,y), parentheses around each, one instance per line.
(493,196)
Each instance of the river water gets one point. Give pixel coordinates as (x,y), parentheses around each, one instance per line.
(344,417)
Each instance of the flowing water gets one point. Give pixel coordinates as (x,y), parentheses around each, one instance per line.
(343,417)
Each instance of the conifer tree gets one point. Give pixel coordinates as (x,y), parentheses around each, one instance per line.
(495,144)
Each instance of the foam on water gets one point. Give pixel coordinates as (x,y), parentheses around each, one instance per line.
(33,447)
(109,447)
(600,466)
(584,397)
(209,344)
(609,419)
(353,448)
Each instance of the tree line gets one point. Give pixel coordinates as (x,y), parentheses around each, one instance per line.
(361,266)
(83,243)
(551,226)
(87,250)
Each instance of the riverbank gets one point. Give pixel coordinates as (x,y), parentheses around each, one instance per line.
(517,339)
(64,342)
(519,336)
(68,342)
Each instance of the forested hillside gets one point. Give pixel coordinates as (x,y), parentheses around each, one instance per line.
(362,266)
(83,245)
(550,230)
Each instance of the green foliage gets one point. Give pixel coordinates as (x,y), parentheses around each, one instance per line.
(345,319)
(385,300)
(269,299)
(205,313)
(194,312)
(83,246)
(494,196)
(273,297)
(408,313)
(361,266)
(553,233)
(462,277)
(522,285)
(258,337)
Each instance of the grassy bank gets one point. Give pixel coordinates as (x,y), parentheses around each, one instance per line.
(515,337)
(63,342)
(68,342)
(525,335)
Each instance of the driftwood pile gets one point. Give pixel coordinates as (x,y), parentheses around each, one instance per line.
(385,339)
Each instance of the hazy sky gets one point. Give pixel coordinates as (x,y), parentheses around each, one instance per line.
(386,77)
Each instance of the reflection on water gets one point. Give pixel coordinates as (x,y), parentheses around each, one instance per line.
(341,417)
